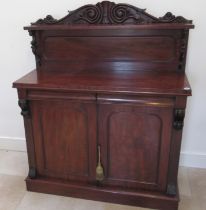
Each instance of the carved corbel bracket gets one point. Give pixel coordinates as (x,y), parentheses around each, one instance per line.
(24,105)
(34,48)
(183,49)
(179,115)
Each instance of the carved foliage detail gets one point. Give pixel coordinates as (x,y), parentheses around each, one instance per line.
(34,48)
(47,20)
(179,115)
(110,13)
(183,49)
(24,105)
(170,18)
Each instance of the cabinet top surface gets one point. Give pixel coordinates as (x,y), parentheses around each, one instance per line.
(127,82)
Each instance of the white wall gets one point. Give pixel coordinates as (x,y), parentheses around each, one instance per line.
(16,59)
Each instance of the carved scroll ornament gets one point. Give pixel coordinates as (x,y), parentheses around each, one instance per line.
(34,48)
(110,13)
(24,105)
(179,115)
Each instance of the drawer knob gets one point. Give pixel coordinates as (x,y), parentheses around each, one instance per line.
(99,168)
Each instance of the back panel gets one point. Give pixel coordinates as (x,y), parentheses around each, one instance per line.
(112,49)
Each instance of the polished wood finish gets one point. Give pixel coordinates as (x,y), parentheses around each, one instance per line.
(104,109)
(144,49)
(135,141)
(104,81)
(71,132)
(132,49)
(149,199)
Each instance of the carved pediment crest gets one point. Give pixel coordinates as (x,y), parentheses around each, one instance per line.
(107,12)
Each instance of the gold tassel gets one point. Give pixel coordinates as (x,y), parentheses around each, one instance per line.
(99,169)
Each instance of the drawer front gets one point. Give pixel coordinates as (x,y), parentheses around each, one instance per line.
(134,136)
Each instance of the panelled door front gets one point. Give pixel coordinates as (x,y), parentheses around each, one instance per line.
(65,138)
(134,137)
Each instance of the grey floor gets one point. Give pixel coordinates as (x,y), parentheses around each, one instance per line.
(13,194)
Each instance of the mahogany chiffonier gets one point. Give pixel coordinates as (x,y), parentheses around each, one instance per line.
(104,108)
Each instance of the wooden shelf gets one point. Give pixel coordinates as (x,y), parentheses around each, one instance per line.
(133,82)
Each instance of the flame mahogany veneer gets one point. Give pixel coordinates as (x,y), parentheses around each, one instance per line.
(104,108)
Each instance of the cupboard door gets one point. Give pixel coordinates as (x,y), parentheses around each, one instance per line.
(65,139)
(135,143)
